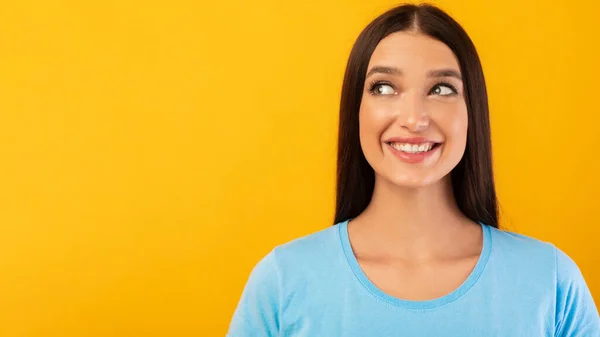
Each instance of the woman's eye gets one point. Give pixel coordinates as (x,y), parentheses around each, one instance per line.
(382,89)
(443,90)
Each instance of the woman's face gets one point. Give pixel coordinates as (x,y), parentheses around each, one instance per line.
(413,117)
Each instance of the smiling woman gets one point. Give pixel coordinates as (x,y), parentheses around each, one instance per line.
(415,249)
(418,105)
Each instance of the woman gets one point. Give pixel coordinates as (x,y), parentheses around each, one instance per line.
(415,250)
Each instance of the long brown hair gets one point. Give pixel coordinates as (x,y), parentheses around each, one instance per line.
(473,178)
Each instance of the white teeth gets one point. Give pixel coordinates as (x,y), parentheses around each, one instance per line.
(412,148)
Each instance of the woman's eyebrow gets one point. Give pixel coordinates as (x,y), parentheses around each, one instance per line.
(398,72)
(384,70)
(445,73)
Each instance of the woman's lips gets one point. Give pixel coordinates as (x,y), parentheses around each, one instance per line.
(413,152)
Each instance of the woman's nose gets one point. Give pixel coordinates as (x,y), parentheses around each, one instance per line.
(412,113)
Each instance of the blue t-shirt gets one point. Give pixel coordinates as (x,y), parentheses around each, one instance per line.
(314,287)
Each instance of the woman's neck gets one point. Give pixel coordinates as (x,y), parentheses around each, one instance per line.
(414,223)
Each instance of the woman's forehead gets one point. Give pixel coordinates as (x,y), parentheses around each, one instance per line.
(409,50)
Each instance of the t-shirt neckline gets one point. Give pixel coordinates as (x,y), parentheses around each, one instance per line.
(411,304)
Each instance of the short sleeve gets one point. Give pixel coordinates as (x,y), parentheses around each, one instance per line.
(576,313)
(257,313)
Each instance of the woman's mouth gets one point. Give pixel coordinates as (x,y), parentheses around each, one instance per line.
(413,152)
(413,148)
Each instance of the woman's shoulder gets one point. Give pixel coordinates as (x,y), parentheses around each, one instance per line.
(300,261)
(287,268)
(309,248)
(514,244)
(533,254)
(545,264)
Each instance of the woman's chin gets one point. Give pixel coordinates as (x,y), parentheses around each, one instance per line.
(419,180)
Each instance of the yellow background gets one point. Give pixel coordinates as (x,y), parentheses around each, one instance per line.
(152,152)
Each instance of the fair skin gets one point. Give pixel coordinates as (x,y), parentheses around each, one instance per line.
(412,241)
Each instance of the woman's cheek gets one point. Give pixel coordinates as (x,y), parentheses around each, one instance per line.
(453,121)
(374,117)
